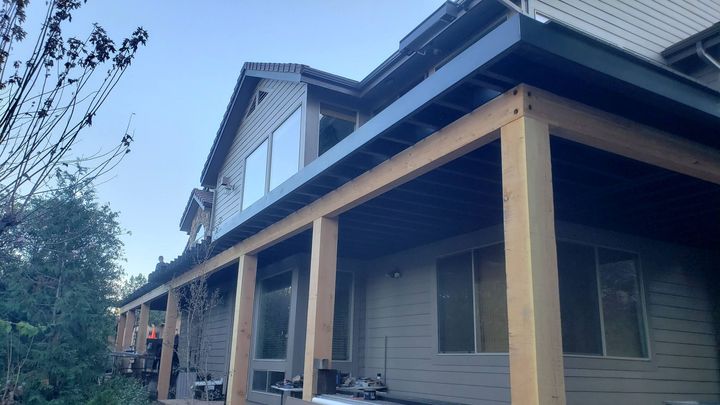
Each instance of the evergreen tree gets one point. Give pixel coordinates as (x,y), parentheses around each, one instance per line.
(57,283)
(131,284)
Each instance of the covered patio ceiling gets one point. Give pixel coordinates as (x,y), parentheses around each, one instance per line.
(591,187)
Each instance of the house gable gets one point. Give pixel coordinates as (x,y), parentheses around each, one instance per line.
(282,99)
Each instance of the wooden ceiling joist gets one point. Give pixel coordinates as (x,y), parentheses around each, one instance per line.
(590,126)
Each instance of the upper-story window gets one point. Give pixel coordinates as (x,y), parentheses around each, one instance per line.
(255,176)
(200,234)
(285,155)
(274,161)
(335,125)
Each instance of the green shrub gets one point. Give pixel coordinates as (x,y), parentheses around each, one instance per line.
(120,391)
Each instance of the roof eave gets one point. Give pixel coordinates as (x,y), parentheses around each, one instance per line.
(517,34)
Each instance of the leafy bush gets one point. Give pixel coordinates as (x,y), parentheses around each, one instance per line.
(120,391)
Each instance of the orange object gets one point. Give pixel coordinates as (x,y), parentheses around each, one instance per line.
(153,333)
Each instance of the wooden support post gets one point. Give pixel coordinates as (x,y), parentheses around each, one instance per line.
(166,356)
(120,333)
(142,333)
(129,329)
(321,301)
(242,331)
(533,300)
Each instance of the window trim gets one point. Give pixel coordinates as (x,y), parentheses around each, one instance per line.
(647,341)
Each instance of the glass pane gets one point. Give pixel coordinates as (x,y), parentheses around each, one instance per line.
(455,304)
(274,317)
(490,300)
(275,377)
(260,382)
(255,174)
(579,310)
(342,317)
(621,303)
(285,156)
(333,129)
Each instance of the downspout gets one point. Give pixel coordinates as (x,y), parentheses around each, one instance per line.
(702,53)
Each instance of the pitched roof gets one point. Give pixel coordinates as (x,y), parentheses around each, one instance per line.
(410,48)
(250,75)
(204,197)
(198,199)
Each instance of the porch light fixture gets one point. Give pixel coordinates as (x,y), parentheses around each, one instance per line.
(394,273)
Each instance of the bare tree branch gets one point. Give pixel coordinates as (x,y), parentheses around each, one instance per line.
(49,98)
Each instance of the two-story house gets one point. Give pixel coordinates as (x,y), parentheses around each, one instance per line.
(520,205)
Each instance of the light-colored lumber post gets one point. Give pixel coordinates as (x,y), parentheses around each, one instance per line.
(166,355)
(321,301)
(120,333)
(242,330)
(129,329)
(533,300)
(142,332)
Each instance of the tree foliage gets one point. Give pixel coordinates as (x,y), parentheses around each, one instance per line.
(48,95)
(57,285)
(119,391)
(131,284)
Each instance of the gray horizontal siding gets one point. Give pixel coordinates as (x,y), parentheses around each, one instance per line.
(683,365)
(218,332)
(645,27)
(403,310)
(282,99)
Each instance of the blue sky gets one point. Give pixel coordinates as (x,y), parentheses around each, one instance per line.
(180,84)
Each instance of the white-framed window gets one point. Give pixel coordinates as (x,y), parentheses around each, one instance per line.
(285,154)
(601,304)
(255,175)
(472,308)
(274,161)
